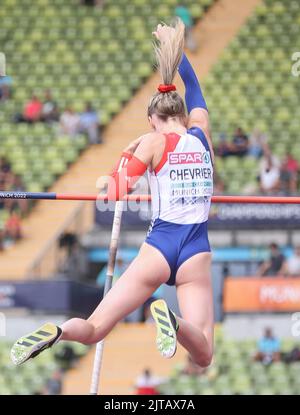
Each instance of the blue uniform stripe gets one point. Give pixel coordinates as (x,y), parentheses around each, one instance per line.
(197,132)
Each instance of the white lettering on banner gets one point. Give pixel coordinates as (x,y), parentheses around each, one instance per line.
(279,294)
(14,195)
(260,212)
(187,179)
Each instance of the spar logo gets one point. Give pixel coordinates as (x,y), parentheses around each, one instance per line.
(189,158)
(206,157)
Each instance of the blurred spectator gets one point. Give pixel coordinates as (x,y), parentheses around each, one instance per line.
(89,124)
(257,143)
(4,170)
(291,266)
(96,3)
(292,356)
(54,384)
(68,240)
(146,383)
(5,87)
(10,221)
(289,174)
(13,226)
(240,143)
(238,146)
(5,166)
(9,178)
(66,357)
(274,265)
(32,111)
(219,185)
(268,348)
(69,122)
(50,110)
(16,185)
(1,239)
(223,148)
(184,14)
(269,173)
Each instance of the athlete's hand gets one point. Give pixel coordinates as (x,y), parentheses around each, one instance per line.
(163,32)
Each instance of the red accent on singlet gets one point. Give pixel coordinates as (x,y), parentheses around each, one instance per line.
(170,145)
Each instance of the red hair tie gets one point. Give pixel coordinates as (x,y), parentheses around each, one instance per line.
(166,88)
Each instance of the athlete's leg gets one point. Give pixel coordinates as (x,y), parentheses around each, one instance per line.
(144,275)
(194,293)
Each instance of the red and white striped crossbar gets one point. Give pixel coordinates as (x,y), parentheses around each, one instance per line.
(145,198)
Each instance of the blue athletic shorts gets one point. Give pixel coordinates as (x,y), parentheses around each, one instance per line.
(178,242)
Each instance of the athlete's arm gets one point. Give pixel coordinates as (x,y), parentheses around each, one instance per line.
(195,102)
(127,154)
(134,144)
(139,155)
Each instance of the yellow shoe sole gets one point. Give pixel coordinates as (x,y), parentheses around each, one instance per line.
(34,343)
(166,339)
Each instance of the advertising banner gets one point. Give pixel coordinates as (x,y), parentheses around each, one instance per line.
(50,296)
(252,294)
(137,215)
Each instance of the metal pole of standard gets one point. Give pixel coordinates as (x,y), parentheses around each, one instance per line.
(115,234)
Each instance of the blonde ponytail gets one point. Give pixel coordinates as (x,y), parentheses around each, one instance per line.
(169,53)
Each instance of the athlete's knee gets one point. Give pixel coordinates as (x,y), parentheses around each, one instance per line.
(203,358)
(98,331)
(89,341)
(93,337)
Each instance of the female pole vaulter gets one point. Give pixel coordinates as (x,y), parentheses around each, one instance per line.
(178,155)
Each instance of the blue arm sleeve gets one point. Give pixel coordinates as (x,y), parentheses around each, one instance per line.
(193,94)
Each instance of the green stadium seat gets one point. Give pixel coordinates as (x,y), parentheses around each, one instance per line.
(261,45)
